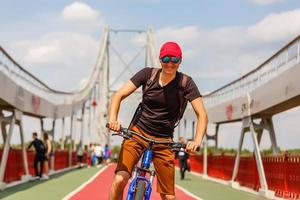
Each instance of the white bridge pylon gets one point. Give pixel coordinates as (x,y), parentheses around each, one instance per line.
(23,94)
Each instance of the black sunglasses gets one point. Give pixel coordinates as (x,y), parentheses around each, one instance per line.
(167,59)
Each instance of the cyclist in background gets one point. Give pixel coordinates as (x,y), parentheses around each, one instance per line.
(157,119)
(183,157)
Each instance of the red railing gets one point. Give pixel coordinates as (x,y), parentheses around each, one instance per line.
(15,169)
(284,175)
(282,172)
(74,159)
(248,174)
(61,160)
(293,177)
(196,163)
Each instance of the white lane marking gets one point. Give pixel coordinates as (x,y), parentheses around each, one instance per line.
(188,193)
(84,184)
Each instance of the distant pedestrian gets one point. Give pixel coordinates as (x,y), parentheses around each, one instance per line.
(183,157)
(99,151)
(79,153)
(115,157)
(48,154)
(106,154)
(39,154)
(90,154)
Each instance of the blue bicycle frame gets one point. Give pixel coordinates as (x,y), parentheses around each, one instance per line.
(140,174)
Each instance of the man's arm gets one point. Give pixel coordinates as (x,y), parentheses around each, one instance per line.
(49,147)
(201,124)
(115,102)
(29,146)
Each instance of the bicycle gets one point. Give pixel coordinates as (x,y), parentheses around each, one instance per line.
(140,187)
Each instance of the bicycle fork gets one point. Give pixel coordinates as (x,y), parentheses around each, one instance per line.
(139,174)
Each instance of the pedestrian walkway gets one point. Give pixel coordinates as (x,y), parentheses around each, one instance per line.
(93,183)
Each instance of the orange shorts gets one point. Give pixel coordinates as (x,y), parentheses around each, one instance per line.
(163,160)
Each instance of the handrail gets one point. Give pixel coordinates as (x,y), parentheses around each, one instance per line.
(25,79)
(283,59)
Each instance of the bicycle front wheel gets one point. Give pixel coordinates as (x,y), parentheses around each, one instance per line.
(140,190)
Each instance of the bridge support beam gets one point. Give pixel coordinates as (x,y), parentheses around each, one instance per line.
(3,125)
(267,124)
(248,125)
(12,120)
(74,134)
(63,134)
(19,121)
(215,136)
(193,129)
(82,126)
(89,121)
(205,157)
(71,140)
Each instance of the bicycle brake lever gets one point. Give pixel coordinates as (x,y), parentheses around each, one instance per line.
(121,135)
(175,149)
(178,145)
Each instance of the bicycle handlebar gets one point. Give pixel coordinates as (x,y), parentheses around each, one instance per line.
(127,134)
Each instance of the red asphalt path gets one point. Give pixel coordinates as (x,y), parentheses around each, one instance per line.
(98,188)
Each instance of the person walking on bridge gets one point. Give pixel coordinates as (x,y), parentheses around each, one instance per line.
(165,94)
(48,154)
(39,157)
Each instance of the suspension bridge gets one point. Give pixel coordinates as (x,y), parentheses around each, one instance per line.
(253,99)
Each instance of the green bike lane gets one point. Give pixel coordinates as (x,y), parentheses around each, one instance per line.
(56,187)
(61,185)
(210,190)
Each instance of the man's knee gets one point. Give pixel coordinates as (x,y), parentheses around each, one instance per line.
(121,178)
(167,197)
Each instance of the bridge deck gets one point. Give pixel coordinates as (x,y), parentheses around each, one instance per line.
(61,185)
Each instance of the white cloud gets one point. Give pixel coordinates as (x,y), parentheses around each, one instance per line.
(276,27)
(43,54)
(188,34)
(54,55)
(266,2)
(210,72)
(233,50)
(81,13)
(206,52)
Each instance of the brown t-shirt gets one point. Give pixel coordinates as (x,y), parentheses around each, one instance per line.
(161,104)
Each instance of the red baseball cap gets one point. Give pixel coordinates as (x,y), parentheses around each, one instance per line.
(170,49)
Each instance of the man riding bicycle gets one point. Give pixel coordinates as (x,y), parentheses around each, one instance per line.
(160,111)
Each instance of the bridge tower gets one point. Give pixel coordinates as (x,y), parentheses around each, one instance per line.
(106,88)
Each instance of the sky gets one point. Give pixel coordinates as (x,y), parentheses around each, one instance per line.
(221,41)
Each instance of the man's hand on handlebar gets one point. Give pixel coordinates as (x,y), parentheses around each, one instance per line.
(114,125)
(192,146)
